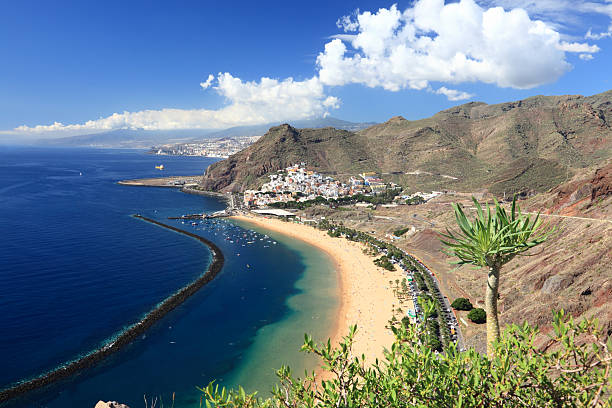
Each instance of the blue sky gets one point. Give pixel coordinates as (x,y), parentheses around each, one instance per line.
(76,63)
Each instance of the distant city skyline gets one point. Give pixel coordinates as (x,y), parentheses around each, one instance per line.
(83,67)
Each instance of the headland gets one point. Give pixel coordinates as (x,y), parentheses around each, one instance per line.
(171,182)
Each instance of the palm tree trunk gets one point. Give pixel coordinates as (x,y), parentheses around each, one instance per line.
(491,308)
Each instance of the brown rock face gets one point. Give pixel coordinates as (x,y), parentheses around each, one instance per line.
(602,183)
(582,193)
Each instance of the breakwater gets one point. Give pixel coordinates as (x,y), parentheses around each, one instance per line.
(132,332)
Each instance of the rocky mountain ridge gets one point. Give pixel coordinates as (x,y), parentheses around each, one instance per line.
(528,145)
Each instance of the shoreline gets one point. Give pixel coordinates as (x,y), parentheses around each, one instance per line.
(133,331)
(364,293)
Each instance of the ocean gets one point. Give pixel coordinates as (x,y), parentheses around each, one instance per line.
(76,268)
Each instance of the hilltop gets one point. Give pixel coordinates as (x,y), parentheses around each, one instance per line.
(524,146)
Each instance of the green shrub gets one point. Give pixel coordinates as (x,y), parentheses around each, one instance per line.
(434,343)
(384,263)
(462,304)
(420,282)
(400,232)
(477,315)
(567,373)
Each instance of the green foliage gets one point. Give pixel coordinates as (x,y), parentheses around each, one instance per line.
(564,373)
(384,263)
(462,304)
(420,282)
(478,315)
(415,200)
(493,238)
(333,233)
(400,232)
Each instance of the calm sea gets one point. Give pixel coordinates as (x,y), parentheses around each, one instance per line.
(75,269)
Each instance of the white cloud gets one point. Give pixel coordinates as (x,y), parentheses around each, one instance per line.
(206,84)
(557,11)
(577,47)
(460,42)
(453,94)
(565,14)
(598,36)
(347,24)
(248,103)
(452,43)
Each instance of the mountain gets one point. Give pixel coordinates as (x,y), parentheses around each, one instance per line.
(524,146)
(329,150)
(139,138)
(127,138)
(259,130)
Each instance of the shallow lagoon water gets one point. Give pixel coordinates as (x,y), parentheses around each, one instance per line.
(76,269)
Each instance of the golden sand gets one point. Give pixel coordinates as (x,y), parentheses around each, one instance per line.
(366,296)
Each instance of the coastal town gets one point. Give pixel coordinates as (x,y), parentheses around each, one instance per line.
(220,148)
(298,183)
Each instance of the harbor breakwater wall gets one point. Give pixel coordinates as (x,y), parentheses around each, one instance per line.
(132,332)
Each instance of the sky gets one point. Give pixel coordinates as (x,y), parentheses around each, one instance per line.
(79,67)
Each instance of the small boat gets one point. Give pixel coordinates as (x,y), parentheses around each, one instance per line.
(160,167)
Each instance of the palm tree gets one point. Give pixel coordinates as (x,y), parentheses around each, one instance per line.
(490,241)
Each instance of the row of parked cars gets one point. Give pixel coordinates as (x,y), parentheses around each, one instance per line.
(447,314)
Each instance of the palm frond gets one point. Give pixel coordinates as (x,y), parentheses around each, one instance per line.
(493,234)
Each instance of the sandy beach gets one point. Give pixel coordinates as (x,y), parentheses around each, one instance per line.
(366,297)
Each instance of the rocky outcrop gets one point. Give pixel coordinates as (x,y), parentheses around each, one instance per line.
(110,404)
(601,183)
(582,195)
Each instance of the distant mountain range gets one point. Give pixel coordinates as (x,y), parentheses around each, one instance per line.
(129,138)
(523,146)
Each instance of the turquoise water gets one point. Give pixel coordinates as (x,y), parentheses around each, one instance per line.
(311,309)
(75,269)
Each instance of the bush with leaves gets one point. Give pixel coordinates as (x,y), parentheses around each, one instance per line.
(571,370)
(401,231)
(420,282)
(384,263)
(462,304)
(478,315)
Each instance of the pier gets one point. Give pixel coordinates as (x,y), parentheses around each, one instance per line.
(218,214)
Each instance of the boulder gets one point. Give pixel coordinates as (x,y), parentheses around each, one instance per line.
(110,404)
